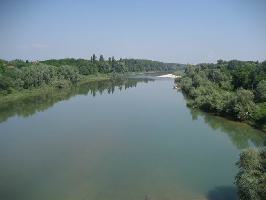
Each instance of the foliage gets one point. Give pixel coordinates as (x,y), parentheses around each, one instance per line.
(251,178)
(17,75)
(261,91)
(236,89)
(242,105)
(67,72)
(5,84)
(260,116)
(36,75)
(60,84)
(39,99)
(93,66)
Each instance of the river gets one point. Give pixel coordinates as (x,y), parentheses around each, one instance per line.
(132,139)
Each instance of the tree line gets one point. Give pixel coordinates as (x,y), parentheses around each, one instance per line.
(234,89)
(29,105)
(17,75)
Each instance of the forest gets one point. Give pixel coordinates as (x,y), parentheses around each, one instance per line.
(234,89)
(18,75)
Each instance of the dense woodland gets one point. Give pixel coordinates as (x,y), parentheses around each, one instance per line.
(18,75)
(235,89)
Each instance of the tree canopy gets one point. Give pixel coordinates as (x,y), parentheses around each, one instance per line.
(18,74)
(235,89)
(251,178)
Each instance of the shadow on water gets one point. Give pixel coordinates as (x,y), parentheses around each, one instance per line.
(223,193)
(28,106)
(240,134)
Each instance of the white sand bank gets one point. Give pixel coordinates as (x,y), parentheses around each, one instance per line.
(169,76)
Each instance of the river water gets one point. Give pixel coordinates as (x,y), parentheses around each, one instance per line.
(132,139)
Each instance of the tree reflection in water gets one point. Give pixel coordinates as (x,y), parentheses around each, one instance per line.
(241,135)
(28,106)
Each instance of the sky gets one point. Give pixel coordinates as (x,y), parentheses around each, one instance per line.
(182,31)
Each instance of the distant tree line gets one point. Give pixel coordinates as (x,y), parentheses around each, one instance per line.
(17,75)
(111,65)
(235,89)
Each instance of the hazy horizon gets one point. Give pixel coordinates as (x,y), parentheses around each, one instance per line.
(168,31)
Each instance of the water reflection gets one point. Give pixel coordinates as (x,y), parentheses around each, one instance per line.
(148,150)
(223,193)
(240,134)
(29,106)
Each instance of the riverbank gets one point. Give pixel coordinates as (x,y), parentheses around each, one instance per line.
(64,85)
(169,76)
(98,125)
(191,103)
(229,89)
(46,89)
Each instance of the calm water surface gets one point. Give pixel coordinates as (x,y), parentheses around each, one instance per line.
(118,140)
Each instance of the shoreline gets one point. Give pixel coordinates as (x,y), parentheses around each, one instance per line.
(46,89)
(169,76)
(226,117)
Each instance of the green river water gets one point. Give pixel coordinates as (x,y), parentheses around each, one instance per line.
(132,139)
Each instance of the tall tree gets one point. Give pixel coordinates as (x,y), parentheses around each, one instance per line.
(101,58)
(93,58)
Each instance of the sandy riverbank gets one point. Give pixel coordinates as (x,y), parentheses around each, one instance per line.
(169,76)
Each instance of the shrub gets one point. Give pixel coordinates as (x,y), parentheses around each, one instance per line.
(60,84)
(261,90)
(251,178)
(242,105)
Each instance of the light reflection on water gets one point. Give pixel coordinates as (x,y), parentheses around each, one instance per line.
(124,139)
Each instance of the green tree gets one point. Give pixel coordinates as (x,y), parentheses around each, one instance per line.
(242,105)
(33,75)
(101,58)
(6,84)
(104,67)
(261,91)
(186,84)
(93,58)
(251,178)
(69,73)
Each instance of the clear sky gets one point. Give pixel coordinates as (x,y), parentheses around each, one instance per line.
(184,31)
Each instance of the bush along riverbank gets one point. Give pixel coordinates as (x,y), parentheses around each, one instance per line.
(233,89)
(251,178)
(55,86)
(20,78)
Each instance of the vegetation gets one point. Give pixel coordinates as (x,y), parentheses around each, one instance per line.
(18,75)
(251,178)
(34,101)
(86,67)
(235,89)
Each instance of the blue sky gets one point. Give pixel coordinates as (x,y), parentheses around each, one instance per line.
(185,31)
